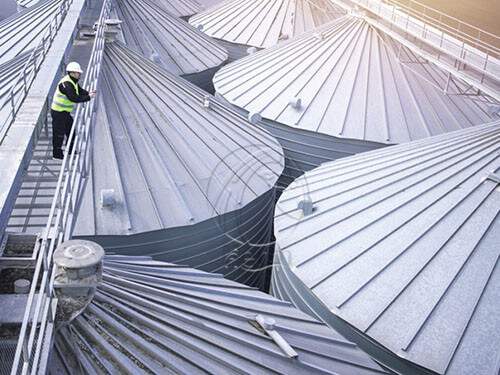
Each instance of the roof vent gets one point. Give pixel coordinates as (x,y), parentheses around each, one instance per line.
(306,205)
(268,325)
(296,102)
(206,102)
(283,37)
(318,36)
(112,29)
(107,198)
(78,273)
(251,50)
(199,27)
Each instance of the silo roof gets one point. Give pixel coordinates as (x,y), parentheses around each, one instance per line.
(353,81)
(155,317)
(173,155)
(179,47)
(24,30)
(402,244)
(180,8)
(264,23)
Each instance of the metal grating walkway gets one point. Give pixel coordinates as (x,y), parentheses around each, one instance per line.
(33,202)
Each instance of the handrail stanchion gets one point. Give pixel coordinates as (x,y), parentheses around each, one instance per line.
(64,203)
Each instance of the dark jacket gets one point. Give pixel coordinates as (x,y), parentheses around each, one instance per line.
(69,90)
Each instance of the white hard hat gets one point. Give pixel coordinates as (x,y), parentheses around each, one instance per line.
(74,67)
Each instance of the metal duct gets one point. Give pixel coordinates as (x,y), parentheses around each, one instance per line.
(400,252)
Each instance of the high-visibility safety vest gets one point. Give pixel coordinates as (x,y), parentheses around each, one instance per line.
(60,102)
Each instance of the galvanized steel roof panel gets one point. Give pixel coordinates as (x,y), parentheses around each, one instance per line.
(170,160)
(24,30)
(179,47)
(353,81)
(180,8)
(264,23)
(26,3)
(154,316)
(402,244)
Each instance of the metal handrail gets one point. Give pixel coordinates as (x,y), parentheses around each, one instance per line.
(483,53)
(74,168)
(31,67)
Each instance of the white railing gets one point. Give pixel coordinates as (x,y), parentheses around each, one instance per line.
(27,75)
(455,43)
(74,168)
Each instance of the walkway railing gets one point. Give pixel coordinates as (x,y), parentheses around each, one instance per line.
(458,46)
(40,309)
(22,83)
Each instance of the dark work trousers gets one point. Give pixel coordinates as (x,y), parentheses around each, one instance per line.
(61,125)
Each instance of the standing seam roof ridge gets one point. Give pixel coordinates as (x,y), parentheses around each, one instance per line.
(396,159)
(160,87)
(260,63)
(160,306)
(441,139)
(233,12)
(415,334)
(458,211)
(186,166)
(362,209)
(186,85)
(249,92)
(393,193)
(375,275)
(171,24)
(174,36)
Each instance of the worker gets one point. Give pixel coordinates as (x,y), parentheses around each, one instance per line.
(68,92)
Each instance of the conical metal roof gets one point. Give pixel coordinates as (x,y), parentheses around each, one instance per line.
(353,82)
(24,30)
(400,252)
(171,42)
(264,23)
(180,8)
(188,175)
(154,317)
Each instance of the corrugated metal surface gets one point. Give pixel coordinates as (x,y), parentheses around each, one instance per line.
(263,23)
(154,317)
(24,30)
(171,42)
(26,3)
(351,85)
(180,8)
(9,73)
(402,250)
(192,184)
